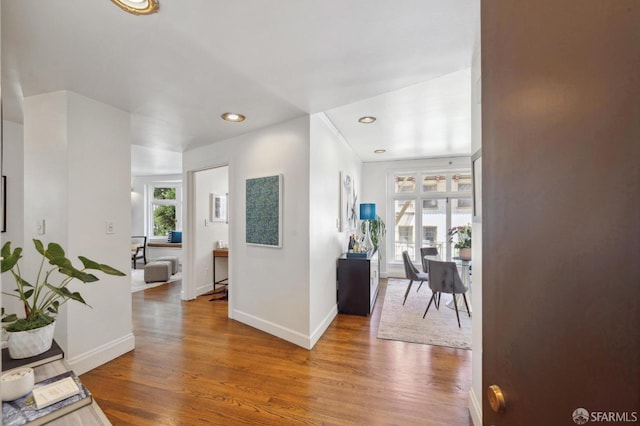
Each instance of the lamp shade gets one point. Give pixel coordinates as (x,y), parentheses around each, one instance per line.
(367,211)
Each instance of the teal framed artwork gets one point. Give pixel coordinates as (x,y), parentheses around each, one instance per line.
(264,211)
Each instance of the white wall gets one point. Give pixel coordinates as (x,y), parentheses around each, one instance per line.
(269,287)
(375,190)
(77,177)
(12,168)
(329,155)
(207,233)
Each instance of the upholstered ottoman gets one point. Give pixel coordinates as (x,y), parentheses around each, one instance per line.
(157,271)
(172,259)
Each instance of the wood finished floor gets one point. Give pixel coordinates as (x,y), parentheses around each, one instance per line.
(194,366)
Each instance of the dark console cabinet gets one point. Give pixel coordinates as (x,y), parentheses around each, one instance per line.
(357,284)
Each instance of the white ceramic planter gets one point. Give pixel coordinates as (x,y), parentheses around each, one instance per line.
(25,344)
(465,253)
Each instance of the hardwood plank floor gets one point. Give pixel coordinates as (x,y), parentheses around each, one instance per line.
(194,366)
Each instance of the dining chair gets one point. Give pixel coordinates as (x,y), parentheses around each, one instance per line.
(138,249)
(428,251)
(412,274)
(444,278)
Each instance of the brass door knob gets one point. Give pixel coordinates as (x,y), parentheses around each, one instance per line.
(496,398)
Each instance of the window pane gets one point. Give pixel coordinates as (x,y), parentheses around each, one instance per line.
(164,220)
(434,183)
(434,225)
(404,228)
(405,183)
(164,193)
(461,183)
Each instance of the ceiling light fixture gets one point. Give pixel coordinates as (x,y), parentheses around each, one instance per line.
(232,116)
(138,7)
(379,151)
(367,119)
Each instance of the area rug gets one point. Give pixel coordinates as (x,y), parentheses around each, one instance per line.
(138,284)
(405,323)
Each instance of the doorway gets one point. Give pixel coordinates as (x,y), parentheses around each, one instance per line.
(209,227)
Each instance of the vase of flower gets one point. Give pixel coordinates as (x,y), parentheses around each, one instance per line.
(464,240)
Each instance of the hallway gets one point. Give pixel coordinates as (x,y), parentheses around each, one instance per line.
(192,365)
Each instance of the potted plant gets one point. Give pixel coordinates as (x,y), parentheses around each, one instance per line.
(377,230)
(42,298)
(464,240)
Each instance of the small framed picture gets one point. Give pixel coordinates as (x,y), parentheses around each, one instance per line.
(218,208)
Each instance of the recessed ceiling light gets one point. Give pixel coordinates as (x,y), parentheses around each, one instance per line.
(379,151)
(367,119)
(138,7)
(232,116)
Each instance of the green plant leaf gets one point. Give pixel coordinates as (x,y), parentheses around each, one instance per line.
(8,317)
(23,283)
(9,259)
(24,324)
(54,250)
(66,293)
(28,293)
(88,263)
(6,249)
(53,308)
(39,246)
(79,275)
(109,270)
(62,262)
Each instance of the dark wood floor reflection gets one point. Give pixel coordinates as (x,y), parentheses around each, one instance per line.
(192,365)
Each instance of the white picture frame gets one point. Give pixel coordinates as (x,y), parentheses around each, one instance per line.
(348,199)
(217,207)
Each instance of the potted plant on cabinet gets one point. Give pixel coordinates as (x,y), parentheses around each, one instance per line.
(42,298)
(377,230)
(464,240)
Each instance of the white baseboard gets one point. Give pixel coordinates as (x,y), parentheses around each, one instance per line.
(322,327)
(475,409)
(204,289)
(102,354)
(274,329)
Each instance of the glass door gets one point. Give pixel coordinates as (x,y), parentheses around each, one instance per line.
(425,207)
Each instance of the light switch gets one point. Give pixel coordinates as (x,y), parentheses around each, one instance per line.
(40,227)
(109,228)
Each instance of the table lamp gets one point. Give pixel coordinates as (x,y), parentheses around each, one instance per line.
(368,213)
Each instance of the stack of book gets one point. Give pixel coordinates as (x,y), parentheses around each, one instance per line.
(51,398)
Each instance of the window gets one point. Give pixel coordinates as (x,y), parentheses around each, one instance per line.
(430,204)
(464,203)
(425,211)
(461,183)
(435,183)
(165,200)
(404,227)
(405,183)
(429,234)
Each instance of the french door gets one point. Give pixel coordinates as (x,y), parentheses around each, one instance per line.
(425,207)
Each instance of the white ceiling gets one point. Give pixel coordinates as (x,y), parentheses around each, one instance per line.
(177,70)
